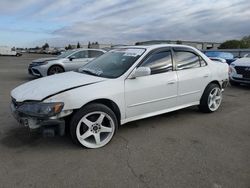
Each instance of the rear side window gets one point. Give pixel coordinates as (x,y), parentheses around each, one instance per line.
(203,62)
(186,60)
(159,62)
(95,53)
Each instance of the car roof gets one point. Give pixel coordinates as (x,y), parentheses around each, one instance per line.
(80,49)
(155,46)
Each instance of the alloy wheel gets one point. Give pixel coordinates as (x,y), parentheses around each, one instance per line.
(95,129)
(214,99)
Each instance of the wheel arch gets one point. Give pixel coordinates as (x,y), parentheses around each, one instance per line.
(215,82)
(109,103)
(212,82)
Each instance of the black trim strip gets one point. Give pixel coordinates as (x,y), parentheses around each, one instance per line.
(68,90)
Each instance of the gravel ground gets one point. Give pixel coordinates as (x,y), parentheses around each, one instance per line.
(185,148)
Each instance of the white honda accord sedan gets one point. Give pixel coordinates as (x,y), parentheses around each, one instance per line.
(123,85)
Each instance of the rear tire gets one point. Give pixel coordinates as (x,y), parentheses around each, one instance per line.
(93,126)
(211,98)
(55,69)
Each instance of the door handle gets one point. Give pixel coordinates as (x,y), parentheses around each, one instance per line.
(205,76)
(171,82)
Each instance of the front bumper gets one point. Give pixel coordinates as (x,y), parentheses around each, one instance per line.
(34,123)
(34,72)
(240,79)
(37,70)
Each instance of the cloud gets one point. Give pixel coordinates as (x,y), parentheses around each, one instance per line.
(128,21)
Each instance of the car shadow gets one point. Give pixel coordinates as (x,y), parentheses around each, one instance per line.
(242,86)
(22,137)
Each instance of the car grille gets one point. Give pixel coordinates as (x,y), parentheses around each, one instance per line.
(244,71)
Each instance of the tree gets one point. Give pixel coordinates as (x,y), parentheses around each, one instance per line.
(78,45)
(246,38)
(46,45)
(230,44)
(178,42)
(69,47)
(234,44)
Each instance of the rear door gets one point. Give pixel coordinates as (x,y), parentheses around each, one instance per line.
(193,75)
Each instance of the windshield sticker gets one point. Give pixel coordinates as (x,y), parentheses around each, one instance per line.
(133,52)
(130,52)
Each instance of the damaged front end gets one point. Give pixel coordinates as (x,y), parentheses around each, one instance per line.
(37,114)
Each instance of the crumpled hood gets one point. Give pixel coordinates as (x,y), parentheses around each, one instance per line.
(41,60)
(242,62)
(43,87)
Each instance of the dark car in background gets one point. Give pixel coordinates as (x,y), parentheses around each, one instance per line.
(229,57)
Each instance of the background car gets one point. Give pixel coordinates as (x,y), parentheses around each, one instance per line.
(70,60)
(218,59)
(229,57)
(239,71)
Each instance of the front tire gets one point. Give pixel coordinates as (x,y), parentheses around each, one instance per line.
(55,69)
(211,98)
(93,126)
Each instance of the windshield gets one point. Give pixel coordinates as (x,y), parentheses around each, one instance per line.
(113,63)
(66,54)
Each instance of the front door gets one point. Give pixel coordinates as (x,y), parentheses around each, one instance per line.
(151,94)
(77,60)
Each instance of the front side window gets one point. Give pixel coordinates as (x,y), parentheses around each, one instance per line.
(65,54)
(113,63)
(186,60)
(81,54)
(159,62)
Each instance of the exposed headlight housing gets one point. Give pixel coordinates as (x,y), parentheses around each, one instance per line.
(41,109)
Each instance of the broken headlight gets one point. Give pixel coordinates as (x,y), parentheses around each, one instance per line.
(41,109)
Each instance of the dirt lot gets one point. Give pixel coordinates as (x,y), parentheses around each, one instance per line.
(180,149)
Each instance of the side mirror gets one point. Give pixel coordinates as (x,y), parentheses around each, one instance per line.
(141,71)
(72,57)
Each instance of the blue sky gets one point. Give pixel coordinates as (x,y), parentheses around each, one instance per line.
(27,23)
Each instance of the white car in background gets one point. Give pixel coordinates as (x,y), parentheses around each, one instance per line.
(7,51)
(70,60)
(240,71)
(218,59)
(123,85)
